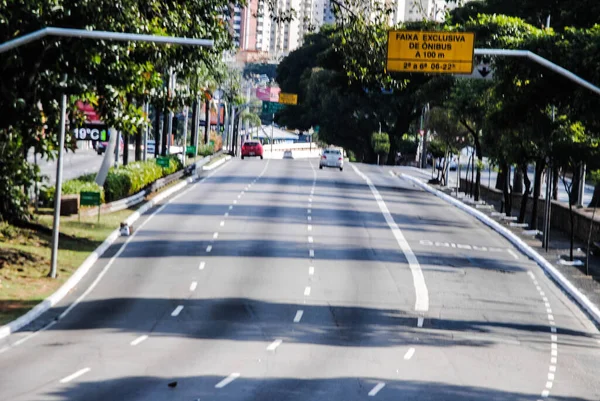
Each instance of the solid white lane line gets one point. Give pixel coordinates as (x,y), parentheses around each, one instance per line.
(311,253)
(177,311)
(209,248)
(139,340)
(298,316)
(216,235)
(420,322)
(513,254)
(75,375)
(4,349)
(222,223)
(310,240)
(202,265)
(193,285)
(227,380)
(409,354)
(307,291)
(311,270)
(309,227)
(273,346)
(376,389)
(422,294)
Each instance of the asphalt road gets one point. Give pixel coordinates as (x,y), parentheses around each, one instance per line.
(274,280)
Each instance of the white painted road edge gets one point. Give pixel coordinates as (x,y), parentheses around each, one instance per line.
(216,164)
(556,275)
(421,292)
(87,264)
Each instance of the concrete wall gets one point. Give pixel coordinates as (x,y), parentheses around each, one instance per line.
(559,218)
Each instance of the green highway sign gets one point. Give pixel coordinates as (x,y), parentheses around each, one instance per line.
(162,161)
(89,198)
(271,107)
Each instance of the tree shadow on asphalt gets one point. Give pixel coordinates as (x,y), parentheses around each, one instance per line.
(245,319)
(152,388)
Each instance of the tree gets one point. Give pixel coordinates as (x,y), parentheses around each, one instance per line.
(117,78)
(449,132)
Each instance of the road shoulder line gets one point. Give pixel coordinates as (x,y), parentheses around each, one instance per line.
(583,301)
(22,321)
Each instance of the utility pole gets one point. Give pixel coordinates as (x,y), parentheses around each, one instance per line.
(58,191)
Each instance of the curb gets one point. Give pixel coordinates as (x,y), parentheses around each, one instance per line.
(556,275)
(216,164)
(87,264)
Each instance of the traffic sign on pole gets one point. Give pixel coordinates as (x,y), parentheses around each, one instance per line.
(430,52)
(288,98)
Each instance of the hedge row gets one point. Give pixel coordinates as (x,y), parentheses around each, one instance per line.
(120,183)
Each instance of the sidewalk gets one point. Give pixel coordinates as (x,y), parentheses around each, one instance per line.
(558,245)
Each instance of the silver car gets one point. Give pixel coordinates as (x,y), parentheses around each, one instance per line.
(332,158)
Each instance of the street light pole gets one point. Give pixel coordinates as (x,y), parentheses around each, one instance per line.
(272,124)
(57,192)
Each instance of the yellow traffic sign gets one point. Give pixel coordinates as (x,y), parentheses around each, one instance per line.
(288,98)
(431,52)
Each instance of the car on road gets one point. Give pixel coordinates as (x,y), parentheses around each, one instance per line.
(252,149)
(452,164)
(288,154)
(332,157)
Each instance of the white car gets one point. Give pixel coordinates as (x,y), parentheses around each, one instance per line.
(332,157)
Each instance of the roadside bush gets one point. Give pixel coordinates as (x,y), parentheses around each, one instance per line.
(217,140)
(205,150)
(72,187)
(131,179)
(120,182)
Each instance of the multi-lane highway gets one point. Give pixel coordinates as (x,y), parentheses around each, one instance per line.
(274,280)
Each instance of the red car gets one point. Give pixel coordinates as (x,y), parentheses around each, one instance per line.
(252,148)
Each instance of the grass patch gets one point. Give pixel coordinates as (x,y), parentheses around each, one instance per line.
(25,257)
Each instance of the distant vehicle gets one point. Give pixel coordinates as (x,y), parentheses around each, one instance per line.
(101,147)
(253,149)
(332,157)
(288,154)
(452,164)
(151,145)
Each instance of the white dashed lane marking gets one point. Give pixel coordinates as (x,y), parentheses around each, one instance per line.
(298,316)
(307,291)
(273,346)
(75,375)
(215,235)
(193,285)
(310,240)
(209,248)
(222,223)
(311,270)
(420,321)
(409,354)
(227,380)
(202,265)
(311,253)
(309,227)
(139,340)
(376,389)
(177,311)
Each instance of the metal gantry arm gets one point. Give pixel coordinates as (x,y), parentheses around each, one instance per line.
(541,61)
(102,35)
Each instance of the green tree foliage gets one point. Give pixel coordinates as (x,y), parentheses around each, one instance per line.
(115,77)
